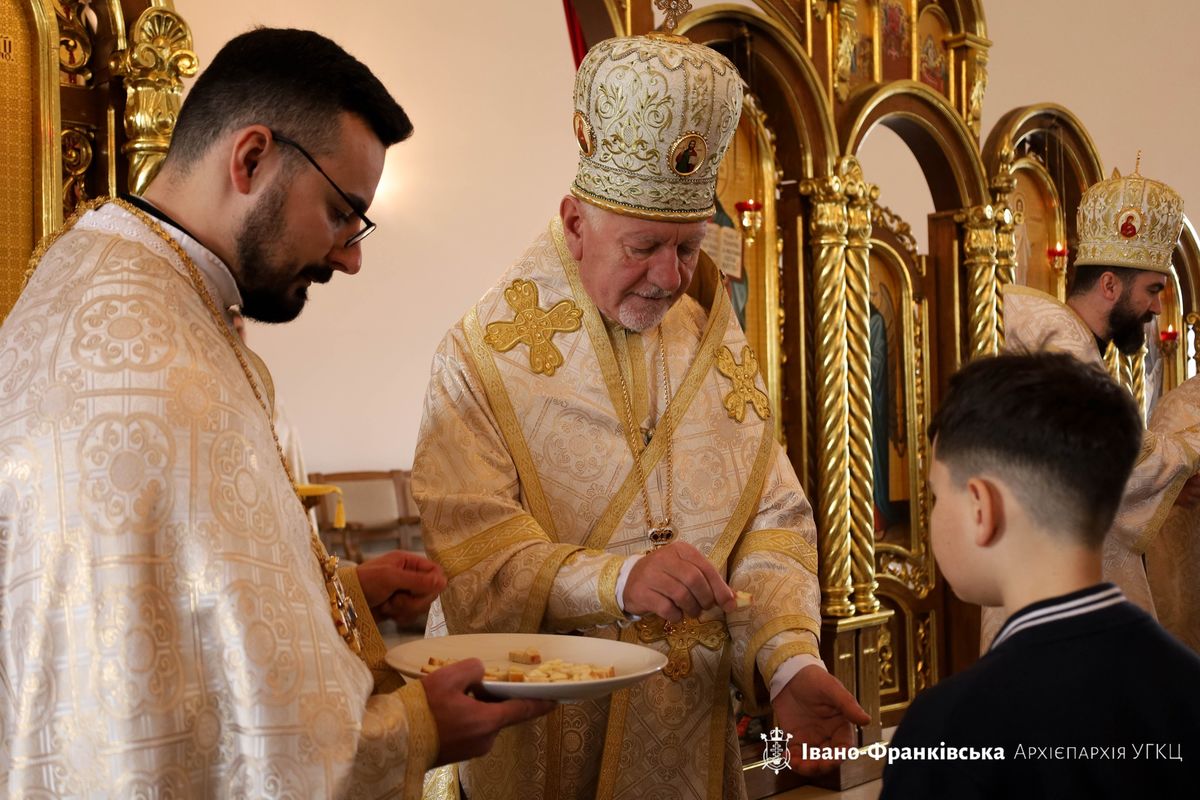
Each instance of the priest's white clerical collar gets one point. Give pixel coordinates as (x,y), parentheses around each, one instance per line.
(214,270)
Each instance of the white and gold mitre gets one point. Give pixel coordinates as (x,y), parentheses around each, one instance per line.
(654,115)
(1129,222)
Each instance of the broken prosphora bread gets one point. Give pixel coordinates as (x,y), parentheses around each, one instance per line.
(557,670)
(529,655)
(553,671)
(743,599)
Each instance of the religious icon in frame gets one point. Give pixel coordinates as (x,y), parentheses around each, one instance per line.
(688,154)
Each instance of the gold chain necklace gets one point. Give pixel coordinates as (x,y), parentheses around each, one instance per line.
(662,532)
(345,618)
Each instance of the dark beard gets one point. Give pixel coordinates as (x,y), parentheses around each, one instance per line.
(268,293)
(1128,331)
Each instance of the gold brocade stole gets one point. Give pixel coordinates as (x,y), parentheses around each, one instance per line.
(718,309)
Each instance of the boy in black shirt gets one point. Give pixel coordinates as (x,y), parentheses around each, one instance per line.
(1082,692)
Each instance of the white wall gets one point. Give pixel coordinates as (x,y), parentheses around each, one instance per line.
(488,85)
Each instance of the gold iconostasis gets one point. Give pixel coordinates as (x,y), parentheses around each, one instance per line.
(856,329)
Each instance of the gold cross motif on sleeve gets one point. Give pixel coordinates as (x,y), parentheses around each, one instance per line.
(744,390)
(533,326)
(682,638)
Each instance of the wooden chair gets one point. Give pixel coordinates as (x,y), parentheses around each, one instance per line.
(379,509)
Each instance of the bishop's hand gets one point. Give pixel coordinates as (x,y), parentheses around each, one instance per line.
(818,711)
(675,581)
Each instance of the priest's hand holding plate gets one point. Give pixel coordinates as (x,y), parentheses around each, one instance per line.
(675,581)
(467,727)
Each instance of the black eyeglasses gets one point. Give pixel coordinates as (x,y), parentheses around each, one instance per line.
(368,226)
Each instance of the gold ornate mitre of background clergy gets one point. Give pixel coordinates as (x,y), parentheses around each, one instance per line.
(1129,222)
(654,115)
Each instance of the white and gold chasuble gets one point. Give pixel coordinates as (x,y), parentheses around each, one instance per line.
(531,502)
(1173,556)
(1035,322)
(164,627)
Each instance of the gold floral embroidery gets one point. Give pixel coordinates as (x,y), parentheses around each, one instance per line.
(533,326)
(744,390)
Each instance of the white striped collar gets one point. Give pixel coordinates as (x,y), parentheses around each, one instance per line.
(1100,596)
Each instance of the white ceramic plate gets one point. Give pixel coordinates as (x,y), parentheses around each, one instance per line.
(632,662)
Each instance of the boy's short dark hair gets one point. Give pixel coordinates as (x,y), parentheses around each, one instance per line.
(293,81)
(1060,433)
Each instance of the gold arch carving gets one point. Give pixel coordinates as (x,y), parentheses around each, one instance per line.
(921,117)
(804,88)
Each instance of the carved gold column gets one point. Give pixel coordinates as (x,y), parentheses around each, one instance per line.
(160,56)
(828,229)
(847,41)
(979,247)
(860,197)
(1137,379)
(968,76)
(1003,184)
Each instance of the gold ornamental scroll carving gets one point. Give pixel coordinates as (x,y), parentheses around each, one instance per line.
(76,24)
(160,56)
(884,217)
(828,229)
(847,41)
(860,198)
(979,247)
(1002,185)
(77,154)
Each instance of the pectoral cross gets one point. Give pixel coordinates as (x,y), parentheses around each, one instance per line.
(682,638)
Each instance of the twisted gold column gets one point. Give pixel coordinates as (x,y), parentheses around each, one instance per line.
(828,229)
(1006,266)
(1112,362)
(980,250)
(847,42)
(1002,185)
(859,197)
(1137,380)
